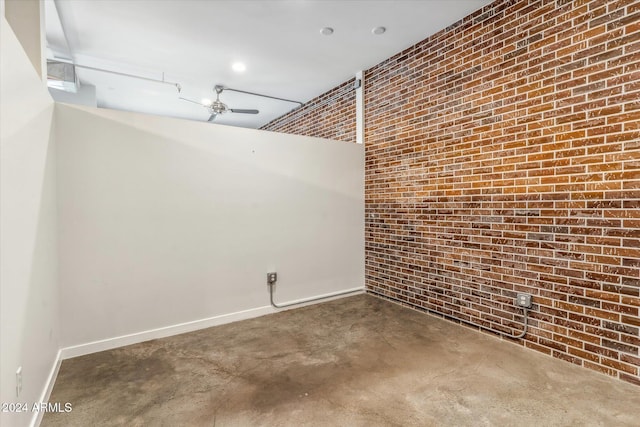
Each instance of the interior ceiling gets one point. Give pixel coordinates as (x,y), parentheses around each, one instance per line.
(194,43)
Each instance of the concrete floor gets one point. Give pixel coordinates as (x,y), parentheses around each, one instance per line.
(357,361)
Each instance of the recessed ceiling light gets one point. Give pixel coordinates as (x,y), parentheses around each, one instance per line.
(378,30)
(326,31)
(238,67)
(206,101)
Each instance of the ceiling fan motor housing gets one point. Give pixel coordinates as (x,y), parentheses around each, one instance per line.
(217,107)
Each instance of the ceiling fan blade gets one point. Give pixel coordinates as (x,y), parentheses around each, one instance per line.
(192,101)
(212,117)
(236,110)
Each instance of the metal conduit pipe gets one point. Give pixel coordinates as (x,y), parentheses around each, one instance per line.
(285,305)
(524,330)
(118,73)
(272,278)
(294,114)
(466,322)
(264,96)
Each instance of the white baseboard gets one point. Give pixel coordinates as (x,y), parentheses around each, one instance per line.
(181,328)
(36,419)
(167,331)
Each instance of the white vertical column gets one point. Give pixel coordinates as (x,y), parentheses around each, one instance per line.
(43,44)
(360,108)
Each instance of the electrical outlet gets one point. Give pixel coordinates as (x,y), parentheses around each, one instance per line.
(523,300)
(272,278)
(18,381)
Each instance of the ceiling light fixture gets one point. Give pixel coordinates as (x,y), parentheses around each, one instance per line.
(378,30)
(326,31)
(238,67)
(206,101)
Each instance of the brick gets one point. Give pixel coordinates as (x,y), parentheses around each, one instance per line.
(602,369)
(621,328)
(620,347)
(630,320)
(583,355)
(630,379)
(619,366)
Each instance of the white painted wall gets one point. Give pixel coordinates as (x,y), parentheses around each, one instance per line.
(165,221)
(26,18)
(29,327)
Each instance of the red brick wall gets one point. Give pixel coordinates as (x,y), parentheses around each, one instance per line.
(503,156)
(323,117)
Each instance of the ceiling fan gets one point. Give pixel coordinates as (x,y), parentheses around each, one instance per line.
(218,107)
